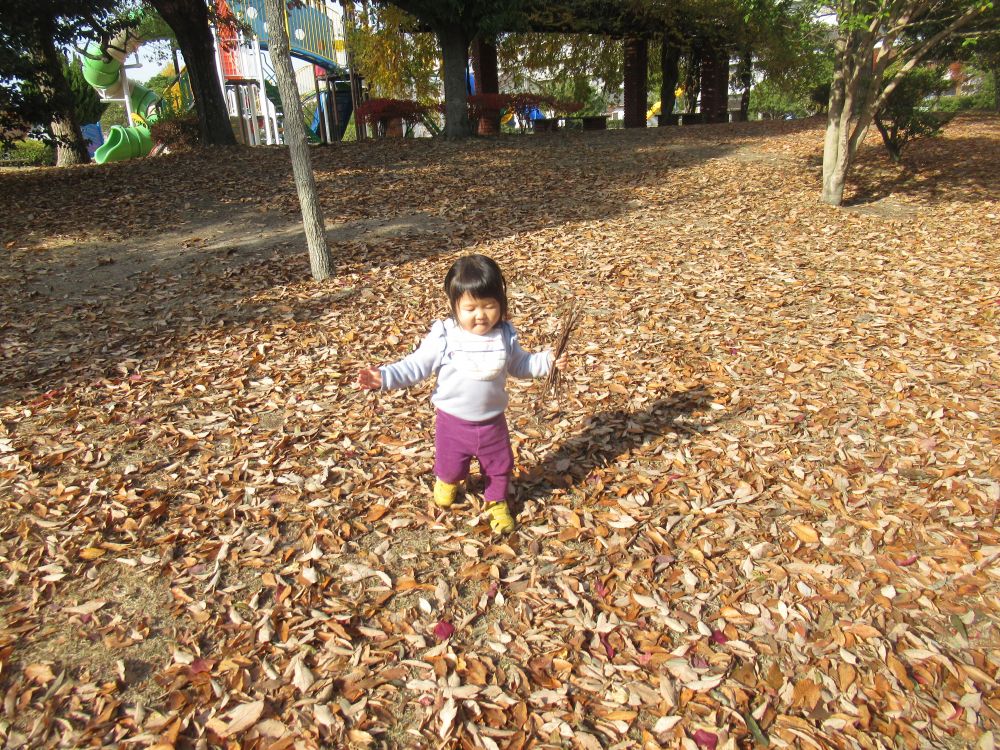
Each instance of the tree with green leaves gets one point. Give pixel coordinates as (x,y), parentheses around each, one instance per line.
(878,42)
(87,103)
(565,65)
(34,89)
(455,24)
(904,117)
(396,59)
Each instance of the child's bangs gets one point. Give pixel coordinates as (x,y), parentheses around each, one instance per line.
(477,288)
(479,277)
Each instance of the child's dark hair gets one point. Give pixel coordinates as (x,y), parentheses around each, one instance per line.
(478,276)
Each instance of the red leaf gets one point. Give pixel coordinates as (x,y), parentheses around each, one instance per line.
(444,630)
(705,739)
(607,645)
(601,589)
(719,637)
(201,665)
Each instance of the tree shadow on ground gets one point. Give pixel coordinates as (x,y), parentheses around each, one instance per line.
(605,437)
(926,175)
(139,298)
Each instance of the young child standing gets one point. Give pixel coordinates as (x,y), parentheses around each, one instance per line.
(472,353)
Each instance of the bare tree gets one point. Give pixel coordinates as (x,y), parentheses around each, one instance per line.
(320,261)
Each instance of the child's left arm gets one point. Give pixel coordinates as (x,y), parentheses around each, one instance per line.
(522,364)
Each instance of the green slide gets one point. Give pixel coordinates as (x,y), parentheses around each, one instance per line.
(105,74)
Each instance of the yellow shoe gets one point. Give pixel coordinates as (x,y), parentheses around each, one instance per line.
(444,494)
(500,519)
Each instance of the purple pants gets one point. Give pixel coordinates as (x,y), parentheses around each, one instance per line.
(456,441)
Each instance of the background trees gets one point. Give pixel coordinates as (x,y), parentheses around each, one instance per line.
(398,60)
(34,88)
(455,24)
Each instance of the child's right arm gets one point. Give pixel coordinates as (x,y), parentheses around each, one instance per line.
(410,370)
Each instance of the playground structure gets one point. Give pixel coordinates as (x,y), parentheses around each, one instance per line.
(245,73)
(107,75)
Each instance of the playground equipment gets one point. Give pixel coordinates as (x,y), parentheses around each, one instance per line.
(313,36)
(246,76)
(656,108)
(106,74)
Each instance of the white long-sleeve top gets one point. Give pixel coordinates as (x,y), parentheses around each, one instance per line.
(471,369)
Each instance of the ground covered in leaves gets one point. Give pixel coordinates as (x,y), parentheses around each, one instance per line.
(762,513)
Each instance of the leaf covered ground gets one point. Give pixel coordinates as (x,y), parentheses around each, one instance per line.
(762,512)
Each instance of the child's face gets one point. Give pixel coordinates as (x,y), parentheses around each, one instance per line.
(477,315)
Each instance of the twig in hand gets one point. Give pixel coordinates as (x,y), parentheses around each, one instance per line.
(569,324)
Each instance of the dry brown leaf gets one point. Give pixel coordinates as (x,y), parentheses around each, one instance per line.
(242,718)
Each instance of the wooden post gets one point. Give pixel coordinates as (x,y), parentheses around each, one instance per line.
(484,69)
(715,85)
(670,56)
(636,61)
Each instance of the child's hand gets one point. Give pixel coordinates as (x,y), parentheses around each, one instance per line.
(562,363)
(370,379)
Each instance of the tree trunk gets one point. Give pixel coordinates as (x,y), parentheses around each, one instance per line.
(189,21)
(455,53)
(484,66)
(484,69)
(692,83)
(745,74)
(670,56)
(71,148)
(889,140)
(849,115)
(636,82)
(996,89)
(834,162)
(320,262)
(715,86)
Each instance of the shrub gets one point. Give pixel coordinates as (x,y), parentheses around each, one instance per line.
(904,117)
(980,100)
(524,104)
(28,154)
(566,106)
(487,105)
(178,132)
(379,112)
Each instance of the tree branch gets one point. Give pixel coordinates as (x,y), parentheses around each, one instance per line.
(918,52)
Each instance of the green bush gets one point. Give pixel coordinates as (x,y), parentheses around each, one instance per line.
(28,154)
(965,102)
(906,116)
(771,100)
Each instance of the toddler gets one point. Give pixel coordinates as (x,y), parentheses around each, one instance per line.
(472,353)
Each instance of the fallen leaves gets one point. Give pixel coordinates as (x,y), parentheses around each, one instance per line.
(242,718)
(760,513)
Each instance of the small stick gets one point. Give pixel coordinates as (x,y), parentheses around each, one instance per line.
(570,322)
